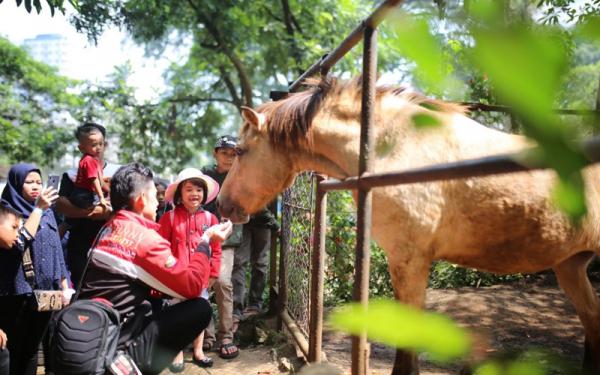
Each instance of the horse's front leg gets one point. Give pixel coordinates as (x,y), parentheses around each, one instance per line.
(410,273)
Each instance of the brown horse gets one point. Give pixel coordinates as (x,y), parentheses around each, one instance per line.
(503,224)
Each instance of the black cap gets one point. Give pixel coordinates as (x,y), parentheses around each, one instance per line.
(226,141)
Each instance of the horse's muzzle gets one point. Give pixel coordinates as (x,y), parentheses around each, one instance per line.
(230,211)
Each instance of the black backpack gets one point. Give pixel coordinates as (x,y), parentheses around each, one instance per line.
(83,338)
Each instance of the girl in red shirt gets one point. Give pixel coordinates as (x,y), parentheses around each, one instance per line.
(184,227)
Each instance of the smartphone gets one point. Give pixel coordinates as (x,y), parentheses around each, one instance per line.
(53,180)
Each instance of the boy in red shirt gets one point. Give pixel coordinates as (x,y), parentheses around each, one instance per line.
(88,183)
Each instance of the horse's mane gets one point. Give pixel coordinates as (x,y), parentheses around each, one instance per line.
(289,120)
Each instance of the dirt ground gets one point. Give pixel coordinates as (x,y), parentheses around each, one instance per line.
(523,315)
(532,313)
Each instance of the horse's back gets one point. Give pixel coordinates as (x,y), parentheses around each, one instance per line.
(504,223)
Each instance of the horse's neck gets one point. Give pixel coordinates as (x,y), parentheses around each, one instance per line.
(334,151)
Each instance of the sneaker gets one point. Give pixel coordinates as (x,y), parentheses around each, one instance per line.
(123,364)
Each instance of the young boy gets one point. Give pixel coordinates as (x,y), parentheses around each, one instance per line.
(9,227)
(88,183)
(9,232)
(224,154)
(130,258)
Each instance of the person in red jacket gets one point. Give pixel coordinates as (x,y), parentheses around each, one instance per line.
(130,258)
(185,226)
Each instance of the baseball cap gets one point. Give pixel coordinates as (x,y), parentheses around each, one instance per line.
(226,141)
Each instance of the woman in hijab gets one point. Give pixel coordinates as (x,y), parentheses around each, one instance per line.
(23,325)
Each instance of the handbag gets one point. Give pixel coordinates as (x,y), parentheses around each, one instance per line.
(43,300)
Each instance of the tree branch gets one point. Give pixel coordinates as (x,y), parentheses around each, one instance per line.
(246,85)
(287,16)
(230,86)
(272,14)
(289,26)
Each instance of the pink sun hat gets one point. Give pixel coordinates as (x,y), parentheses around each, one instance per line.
(212,186)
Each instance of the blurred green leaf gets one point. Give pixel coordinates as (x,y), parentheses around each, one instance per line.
(488,11)
(405,327)
(511,367)
(415,41)
(569,196)
(590,30)
(423,120)
(524,66)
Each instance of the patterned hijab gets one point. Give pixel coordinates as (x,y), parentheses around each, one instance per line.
(11,196)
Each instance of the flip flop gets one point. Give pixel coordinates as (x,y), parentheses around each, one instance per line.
(176,368)
(204,362)
(225,353)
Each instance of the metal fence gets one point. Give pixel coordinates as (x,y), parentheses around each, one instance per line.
(297,218)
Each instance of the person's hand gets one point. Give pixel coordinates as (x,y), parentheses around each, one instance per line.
(48,196)
(219,232)
(100,212)
(211,281)
(3,339)
(66,296)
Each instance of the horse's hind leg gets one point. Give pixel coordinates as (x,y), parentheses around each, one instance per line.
(409,278)
(573,279)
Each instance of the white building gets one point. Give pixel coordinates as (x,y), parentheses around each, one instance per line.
(50,49)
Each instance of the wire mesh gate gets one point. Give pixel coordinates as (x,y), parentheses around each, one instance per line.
(297,218)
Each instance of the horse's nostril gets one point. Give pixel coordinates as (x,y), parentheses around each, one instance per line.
(224,208)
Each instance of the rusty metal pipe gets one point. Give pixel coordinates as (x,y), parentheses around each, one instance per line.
(317,277)
(360,351)
(490,165)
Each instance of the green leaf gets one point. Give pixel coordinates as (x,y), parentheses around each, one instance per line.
(28,6)
(414,40)
(325,18)
(569,196)
(487,11)
(404,327)
(590,30)
(524,66)
(37,5)
(423,120)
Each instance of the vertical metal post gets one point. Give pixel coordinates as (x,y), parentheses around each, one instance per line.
(273,264)
(315,339)
(284,240)
(360,354)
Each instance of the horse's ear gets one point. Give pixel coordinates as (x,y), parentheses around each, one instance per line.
(256,119)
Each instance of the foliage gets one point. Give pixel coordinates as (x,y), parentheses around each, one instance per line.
(448,275)
(231,54)
(340,248)
(405,327)
(35,103)
(402,326)
(555,11)
(37,4)
(163,135)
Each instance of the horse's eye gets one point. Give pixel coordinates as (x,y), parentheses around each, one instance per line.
(239,151)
